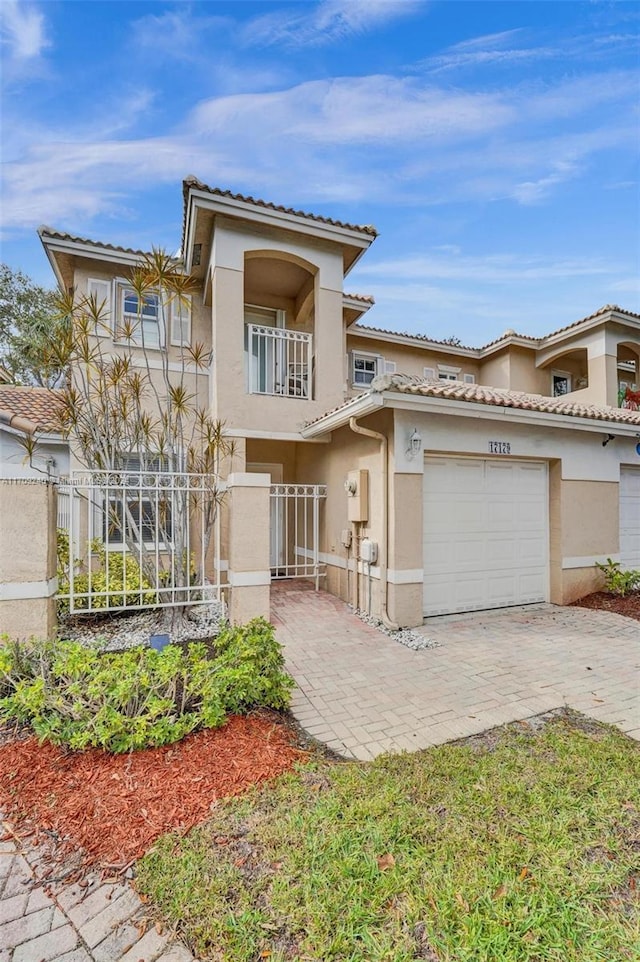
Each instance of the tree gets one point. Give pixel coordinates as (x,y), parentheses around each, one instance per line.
(29,319)
(114,402)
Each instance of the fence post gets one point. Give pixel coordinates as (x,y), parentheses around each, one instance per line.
(249,537)
(28,581)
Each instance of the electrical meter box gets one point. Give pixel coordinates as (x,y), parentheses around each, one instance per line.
(368,551)
(357,488)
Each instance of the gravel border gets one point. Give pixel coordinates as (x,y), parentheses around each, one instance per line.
(117,632)
(408,637)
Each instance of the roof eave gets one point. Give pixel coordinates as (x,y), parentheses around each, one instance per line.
(356,407)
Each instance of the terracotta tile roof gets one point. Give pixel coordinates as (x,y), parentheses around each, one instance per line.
(590,317)
(192,181)
(36,405)
(496,397)
(45,231)
(364,328)
(366,298)
(535,341)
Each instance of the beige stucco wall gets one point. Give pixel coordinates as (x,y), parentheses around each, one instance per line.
(410,359)
(231,401)
(248,546)
(27,558)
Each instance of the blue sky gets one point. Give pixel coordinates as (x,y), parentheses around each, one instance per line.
(493,145)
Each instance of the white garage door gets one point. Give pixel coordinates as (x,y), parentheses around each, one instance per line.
(486,542)
(630,517)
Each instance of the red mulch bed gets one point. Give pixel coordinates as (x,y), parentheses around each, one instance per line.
(629,606)
(115,806)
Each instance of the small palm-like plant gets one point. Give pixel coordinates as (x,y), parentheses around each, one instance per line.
(115,401)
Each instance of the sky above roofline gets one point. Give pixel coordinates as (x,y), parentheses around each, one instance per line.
(494,146)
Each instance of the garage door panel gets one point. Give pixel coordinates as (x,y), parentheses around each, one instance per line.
(630,517)
(485,534)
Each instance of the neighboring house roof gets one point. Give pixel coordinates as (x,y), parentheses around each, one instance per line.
(193,182)
(29,409)
(404,384)
(504,339)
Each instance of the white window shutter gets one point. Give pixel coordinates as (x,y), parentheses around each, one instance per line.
(429,373)
(389,367)
(181,321)
(100,291)
(469,379)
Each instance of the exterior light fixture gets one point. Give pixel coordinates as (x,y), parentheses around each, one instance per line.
(414,446)
(609,437)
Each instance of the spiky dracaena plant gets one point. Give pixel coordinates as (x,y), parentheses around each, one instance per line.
(119,399)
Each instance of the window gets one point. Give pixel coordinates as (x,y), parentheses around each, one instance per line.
(143,320)
(560,383)
(181,321)
(469,379)
(364,368)
(100,292)
(389,367)
(429,373)
(139,508)
(446,373)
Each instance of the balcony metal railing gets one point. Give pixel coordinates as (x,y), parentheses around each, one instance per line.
(279,361)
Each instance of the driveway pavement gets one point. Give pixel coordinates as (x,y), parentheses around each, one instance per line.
(362,693)
(94,922)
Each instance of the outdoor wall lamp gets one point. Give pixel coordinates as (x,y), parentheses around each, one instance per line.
(609,437)
(414,446)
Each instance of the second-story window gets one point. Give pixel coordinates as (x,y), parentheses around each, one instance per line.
(364,368)
(141,316)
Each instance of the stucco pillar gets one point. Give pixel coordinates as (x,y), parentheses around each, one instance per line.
(249,536)
(28,582)
(405,576)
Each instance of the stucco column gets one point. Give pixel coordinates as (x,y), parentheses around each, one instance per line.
(405,575)
(28,582)
(249,536)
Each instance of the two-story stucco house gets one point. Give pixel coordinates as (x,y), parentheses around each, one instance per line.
(457,478)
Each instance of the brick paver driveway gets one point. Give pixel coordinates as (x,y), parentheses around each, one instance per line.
(363,693)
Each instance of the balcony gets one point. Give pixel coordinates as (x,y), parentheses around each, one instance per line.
(278,361)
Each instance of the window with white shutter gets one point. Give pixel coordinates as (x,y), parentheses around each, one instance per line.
(100,292)
(429,373)
(469,379)
(389,367)
(181,321)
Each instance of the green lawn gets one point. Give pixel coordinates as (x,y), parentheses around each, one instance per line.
(519,846)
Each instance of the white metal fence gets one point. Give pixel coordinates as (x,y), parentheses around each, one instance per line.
(279,361)
(138,539)
(295,531)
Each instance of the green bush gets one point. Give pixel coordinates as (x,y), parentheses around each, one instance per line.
(74,695)
(120,584)
(617,581)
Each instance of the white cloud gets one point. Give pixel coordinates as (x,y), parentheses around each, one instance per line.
(22,29)
(326,22)
(490,269)
(343,140)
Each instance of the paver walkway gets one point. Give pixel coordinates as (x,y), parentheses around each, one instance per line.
(95,923)
(362,693)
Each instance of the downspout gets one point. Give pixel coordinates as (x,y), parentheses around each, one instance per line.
(384,447)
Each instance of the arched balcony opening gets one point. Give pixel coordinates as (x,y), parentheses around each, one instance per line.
(279,315)
(628,371)
(568,372)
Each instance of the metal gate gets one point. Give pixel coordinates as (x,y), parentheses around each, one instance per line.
(295,531)
(138,539)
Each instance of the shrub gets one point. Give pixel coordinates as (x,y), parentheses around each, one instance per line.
(115,584)
(77,696)
(617,581)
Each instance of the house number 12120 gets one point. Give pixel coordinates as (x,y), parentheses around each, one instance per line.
(499,447)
